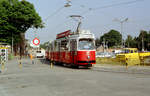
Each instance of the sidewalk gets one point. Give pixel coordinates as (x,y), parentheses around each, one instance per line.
(123,69)
(14,66)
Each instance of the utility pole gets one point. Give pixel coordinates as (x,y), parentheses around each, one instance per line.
(12,40)
(121,23)
(104,45)
(142,41)
(142,44)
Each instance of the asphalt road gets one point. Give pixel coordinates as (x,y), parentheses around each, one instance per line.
(40,80)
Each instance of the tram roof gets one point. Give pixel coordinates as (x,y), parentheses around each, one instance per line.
(74,35)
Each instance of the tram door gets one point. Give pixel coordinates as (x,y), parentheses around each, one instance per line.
(73,49)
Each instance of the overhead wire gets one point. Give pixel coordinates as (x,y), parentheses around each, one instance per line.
(53,14)
(109,6)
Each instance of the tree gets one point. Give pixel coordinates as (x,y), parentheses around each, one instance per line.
(97,42)
(15,19)
(45,45)
(131,42)
(143,40)
(113,38)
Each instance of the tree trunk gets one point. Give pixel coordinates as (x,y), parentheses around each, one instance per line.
(22,44)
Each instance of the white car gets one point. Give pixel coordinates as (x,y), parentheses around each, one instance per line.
(40,53)
(104,54)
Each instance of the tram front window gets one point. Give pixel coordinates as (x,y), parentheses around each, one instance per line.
(86,44)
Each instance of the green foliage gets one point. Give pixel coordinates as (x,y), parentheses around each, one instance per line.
(97,42)
(45,45)
(10,56)
(144,39)
(113,38)
(131,42)
(16,18)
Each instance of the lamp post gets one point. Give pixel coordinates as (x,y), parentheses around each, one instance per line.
(12,43)
(121,22)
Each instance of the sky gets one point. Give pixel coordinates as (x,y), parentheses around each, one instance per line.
(99,16)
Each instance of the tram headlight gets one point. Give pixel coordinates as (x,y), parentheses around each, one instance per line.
(88,57)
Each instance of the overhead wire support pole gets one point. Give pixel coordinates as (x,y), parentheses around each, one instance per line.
(122,34)
(121,29)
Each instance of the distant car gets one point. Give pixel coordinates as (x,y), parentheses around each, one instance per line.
(104,54)
(117,51)
(40,53)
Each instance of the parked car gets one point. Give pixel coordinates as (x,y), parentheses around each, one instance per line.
(40,53)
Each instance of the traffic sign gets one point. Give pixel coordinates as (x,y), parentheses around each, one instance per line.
(3,54)
(36,41)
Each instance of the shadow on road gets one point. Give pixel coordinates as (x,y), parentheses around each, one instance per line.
(44,61)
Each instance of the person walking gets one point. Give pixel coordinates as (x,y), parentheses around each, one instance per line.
(31,57)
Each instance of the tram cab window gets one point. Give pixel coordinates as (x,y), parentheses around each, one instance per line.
(86,44)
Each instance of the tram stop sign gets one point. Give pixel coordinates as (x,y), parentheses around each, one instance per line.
(36,41)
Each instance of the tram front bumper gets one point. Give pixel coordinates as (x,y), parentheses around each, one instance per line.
(86,63)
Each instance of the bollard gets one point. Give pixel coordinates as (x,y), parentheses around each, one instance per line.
(127,66)
(51,65)
(20,64)
(126,61)
(3,66)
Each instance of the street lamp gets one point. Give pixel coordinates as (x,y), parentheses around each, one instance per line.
(121,22)
(68,4)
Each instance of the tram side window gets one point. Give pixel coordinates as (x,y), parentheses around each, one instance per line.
(58,46)
(55,46)
(64,45)
(51,47)
(73,45)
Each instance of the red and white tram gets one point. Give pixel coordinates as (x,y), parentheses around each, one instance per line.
(74,49)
